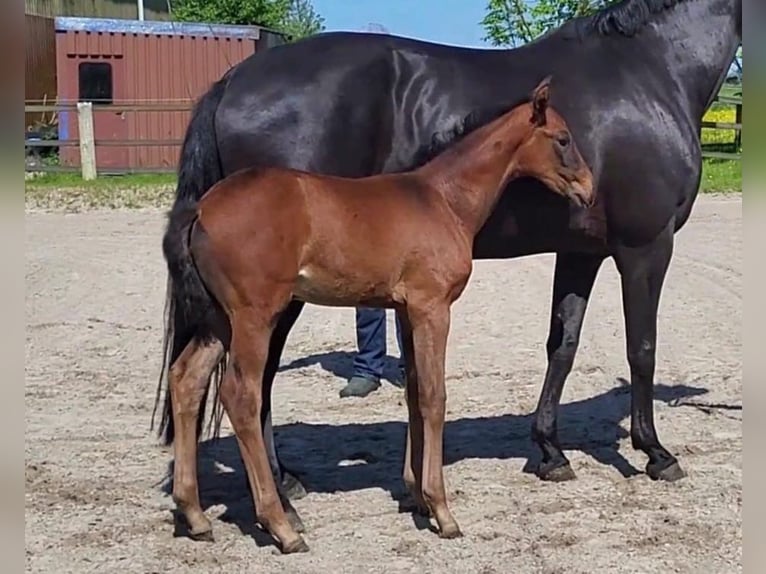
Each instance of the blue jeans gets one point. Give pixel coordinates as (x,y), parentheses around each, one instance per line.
(371,342)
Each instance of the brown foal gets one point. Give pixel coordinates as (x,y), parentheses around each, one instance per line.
(261,237)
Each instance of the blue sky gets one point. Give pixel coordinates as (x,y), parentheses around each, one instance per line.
(444,21)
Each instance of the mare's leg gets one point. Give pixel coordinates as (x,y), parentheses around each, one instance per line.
(188,379)
(288,485)
(572,285)
(430,327)
(642,271)
(241,395)
(413,450)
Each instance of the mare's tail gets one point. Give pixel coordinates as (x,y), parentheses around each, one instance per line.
(187,303)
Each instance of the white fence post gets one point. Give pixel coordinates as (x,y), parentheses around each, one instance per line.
(87,145)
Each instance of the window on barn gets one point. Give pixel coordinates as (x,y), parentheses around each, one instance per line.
(95,82)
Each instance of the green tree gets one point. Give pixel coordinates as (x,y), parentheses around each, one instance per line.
(515,22)
(294,18)
(302,20)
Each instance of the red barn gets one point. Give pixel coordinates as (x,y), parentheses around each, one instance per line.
(127,62)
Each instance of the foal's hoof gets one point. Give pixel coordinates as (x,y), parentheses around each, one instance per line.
(556,472)
(451,531)
(202,536)
(667,472)
(297,545)
(292,487)
(295,520)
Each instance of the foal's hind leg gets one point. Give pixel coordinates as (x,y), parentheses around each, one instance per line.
(188,381)
(572,285)
(288,486)
(241,395)
(642,271)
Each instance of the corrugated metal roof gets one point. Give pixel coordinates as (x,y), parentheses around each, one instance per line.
(66,24)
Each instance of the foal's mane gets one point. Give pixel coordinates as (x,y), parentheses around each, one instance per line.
(625,18)
(444,139)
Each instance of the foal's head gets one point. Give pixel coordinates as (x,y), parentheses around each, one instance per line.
(548,151)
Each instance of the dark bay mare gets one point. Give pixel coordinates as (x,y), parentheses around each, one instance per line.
(633,82)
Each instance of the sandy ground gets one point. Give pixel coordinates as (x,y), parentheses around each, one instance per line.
(96,484)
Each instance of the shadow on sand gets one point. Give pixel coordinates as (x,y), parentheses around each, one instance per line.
(348,457)
(341,364)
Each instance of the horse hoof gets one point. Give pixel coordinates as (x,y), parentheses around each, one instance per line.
(295,521)
(292,487)
(557,473)
(411,504)
(202,536)
(296,546)
(668,473)
(450,532)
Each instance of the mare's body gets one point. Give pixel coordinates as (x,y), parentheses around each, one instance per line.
(632,82)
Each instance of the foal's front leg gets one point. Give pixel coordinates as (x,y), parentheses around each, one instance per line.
(188,379)
(430,326)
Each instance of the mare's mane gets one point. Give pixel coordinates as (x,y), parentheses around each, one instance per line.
(472,121)
(625,18)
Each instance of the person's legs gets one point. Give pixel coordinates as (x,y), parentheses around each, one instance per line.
(371,349)
(400,378)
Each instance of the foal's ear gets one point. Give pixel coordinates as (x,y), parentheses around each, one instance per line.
(540,97)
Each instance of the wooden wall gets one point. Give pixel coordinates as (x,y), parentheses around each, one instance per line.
(153,9)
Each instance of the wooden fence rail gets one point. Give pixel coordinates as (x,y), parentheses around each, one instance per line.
(88,143)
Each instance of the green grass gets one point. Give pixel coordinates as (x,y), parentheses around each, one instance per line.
(721,176)
(74,180)
(718,175)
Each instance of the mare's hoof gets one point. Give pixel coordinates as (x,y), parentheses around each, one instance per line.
(295,520)
(556,472)
(667,472)
(410,504)
(450,532)
(202,536)
(296,546)
(292,487)
(422,510)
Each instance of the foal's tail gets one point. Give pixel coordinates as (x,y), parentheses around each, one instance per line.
(190,314)
(188,306)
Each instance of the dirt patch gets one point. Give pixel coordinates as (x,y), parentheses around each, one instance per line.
(96,481)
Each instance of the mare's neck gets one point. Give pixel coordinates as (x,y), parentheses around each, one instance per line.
(698,39)
(472,173)
(707,34)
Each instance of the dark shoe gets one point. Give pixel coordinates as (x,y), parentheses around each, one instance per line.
(400,378)
(359,387)
(292,486)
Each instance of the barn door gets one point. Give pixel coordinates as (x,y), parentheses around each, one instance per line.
(101,81)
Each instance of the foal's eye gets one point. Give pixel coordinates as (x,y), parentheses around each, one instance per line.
(563,140)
